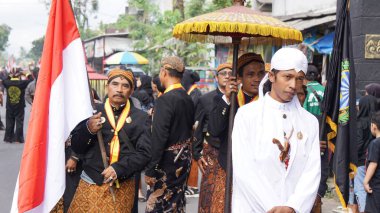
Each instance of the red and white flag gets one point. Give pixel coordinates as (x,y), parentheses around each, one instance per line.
(62,100)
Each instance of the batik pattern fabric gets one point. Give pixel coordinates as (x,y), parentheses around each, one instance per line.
(168,192)
(91,198)
(58,208)
(219,191)
(208,195)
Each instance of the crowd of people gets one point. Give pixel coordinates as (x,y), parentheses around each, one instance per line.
(165,127)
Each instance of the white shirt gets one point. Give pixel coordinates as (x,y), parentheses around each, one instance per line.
(260,179)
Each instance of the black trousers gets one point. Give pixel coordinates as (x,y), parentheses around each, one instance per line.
(14,116)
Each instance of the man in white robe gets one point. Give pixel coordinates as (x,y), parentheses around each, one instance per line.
(262,182)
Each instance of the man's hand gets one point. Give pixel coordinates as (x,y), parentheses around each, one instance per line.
(202,164)
(71,165)
(109,175)
(231,86)
(94,124)
(367,188)
(150,180)
(323,146)
(281,209)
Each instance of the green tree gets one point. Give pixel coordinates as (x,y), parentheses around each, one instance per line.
(5,30)
(82,10)
(218,4)
(194,8)
(151,32)
(180,6)
(36,51)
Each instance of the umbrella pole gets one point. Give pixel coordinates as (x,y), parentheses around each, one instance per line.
(228,193)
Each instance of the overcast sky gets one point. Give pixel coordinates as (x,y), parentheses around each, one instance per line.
(28,19)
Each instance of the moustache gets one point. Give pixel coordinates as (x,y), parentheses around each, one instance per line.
(118,95)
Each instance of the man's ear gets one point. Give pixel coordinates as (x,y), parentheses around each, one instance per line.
(165,72)
(271,76)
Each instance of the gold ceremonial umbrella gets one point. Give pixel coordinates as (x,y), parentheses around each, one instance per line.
(237,21)
(232,25)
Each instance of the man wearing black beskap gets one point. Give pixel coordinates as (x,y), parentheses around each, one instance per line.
(171,140)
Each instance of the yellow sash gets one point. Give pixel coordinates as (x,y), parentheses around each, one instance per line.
(241,98)
(115,143)
(193,87)
(173,86)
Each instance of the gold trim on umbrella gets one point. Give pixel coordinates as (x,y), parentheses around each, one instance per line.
(236,21)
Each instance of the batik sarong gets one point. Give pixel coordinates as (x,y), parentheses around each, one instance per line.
(93,198)
(211,196)
(168,192)
(219,191)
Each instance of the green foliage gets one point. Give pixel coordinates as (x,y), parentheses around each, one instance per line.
(82,10)
(36,51)
(199,7)
(151,32)
(219,4)
(5,30)
(194,8)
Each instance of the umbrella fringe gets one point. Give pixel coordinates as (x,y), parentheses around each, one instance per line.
(182,31)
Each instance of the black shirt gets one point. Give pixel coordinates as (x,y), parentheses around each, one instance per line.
(15,93)
(135,145)
(202,115)
(173,120)
(364,137)
(218,125)
(374,156)
(195,95)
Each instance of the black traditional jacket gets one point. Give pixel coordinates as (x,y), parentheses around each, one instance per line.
(135,145)
(218,125)
(202,113)
(172,124)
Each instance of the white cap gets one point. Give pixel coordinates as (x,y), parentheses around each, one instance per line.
(289,58)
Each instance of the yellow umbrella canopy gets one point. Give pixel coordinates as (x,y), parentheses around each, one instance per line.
(236,21)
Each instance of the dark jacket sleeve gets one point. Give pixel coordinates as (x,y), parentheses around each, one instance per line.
(198,134)
(195,96)
(218,118)
(137,157)
(81,138)
(160,132)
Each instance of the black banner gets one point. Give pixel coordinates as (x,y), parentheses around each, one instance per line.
(339,105)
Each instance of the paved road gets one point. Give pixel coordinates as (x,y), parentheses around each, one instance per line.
(10,155)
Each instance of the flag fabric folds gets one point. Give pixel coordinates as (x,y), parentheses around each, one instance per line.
(61,101)
(339,105)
